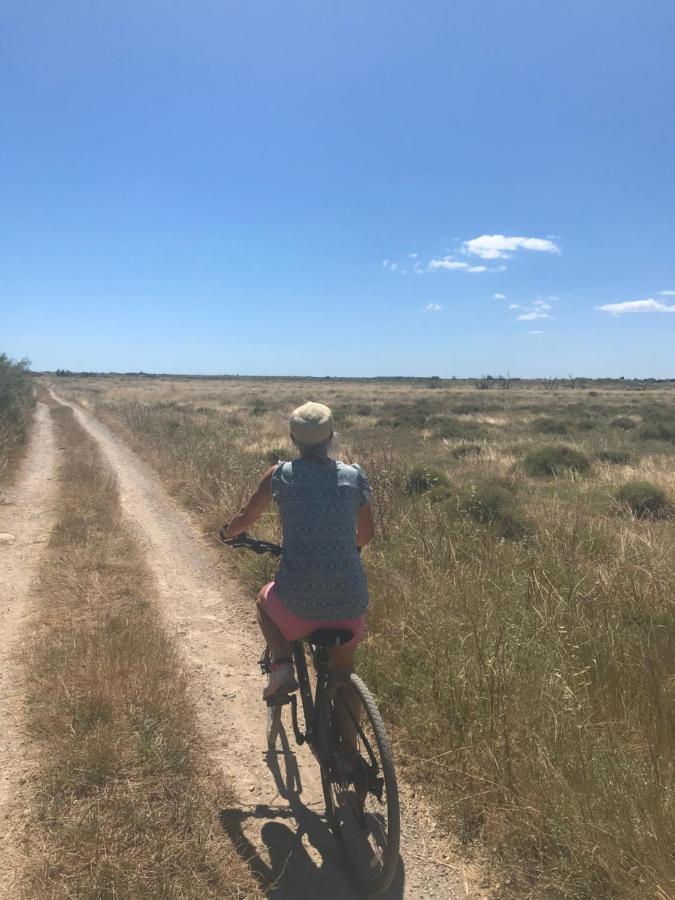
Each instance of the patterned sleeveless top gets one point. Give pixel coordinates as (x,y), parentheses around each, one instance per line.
(320,576)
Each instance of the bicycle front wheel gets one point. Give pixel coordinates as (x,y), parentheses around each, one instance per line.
(359,783)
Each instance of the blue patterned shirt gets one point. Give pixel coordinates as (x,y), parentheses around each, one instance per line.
(321,576)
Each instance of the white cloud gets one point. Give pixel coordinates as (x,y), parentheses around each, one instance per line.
(447,263)
(388,264)
(413,255)
(667,293)
(514,305)
(531,316)
(452,265)
(636,306)
(433,307)
(501,246)
(499,296)
(541,304)
(536,332)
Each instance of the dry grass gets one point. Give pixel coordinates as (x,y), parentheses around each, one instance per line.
(125,804)
(522,628)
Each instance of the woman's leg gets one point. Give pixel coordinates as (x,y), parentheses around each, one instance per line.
(279,646)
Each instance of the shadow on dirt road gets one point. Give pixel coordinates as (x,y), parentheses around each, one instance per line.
(304,861)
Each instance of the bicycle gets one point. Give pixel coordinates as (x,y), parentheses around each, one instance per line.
(357,772)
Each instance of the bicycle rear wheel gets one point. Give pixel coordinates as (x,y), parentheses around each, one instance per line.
(359,784)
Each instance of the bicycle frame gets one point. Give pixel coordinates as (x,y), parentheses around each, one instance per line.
(311,705)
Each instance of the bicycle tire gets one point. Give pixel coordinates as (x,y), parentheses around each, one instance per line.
(370,851)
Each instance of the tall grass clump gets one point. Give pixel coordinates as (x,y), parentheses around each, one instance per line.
(16,406)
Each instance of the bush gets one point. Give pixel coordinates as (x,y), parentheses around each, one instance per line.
(16,404)
(449,427)
(554,460)
(615,457)
(623,422)
(491,504)
(644,500)
(422,479)
(464,450)
(548,425)
(656,431)
(586,424)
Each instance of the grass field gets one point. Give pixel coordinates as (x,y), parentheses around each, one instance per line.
(522,629)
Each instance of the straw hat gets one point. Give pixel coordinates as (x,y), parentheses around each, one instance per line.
(311,423)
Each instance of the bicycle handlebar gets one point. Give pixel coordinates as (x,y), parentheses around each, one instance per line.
(246,541)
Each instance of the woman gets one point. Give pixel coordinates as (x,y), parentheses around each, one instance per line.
(325,518)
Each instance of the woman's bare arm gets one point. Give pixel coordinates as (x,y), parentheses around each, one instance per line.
(365,527)
(249,514)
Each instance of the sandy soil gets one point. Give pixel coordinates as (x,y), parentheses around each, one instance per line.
(26,515)
(278,820)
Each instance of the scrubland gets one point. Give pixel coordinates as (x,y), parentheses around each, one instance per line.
(521,632)
(16,405)
(124,802)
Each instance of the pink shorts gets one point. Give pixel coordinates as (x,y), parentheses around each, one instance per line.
(293,627)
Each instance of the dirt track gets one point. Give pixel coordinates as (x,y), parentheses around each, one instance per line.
(278,820)
(25,521)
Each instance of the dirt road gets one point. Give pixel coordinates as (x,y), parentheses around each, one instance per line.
(25,520)
(278,820)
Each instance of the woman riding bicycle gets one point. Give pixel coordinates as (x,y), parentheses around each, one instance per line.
(325,519)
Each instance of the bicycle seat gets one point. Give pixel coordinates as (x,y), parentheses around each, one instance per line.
(330,637)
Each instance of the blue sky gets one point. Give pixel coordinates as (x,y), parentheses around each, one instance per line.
(339,188)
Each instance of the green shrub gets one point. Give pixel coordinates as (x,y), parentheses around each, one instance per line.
(258,407)
(644,500)
(16,404)
(492,504)
(586,424)
(616,457)
(423,479)
(623,422)
(656,431)
(555,459)
(449,427)
(463,450)
(363,409)
(548,425)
